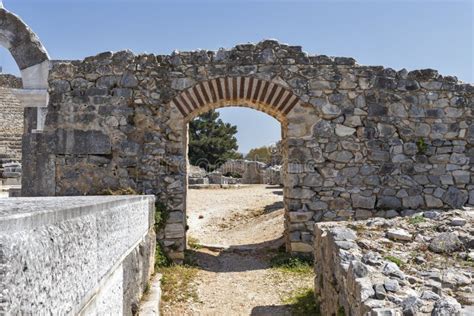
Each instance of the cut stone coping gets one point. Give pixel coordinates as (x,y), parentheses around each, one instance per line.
(32,212)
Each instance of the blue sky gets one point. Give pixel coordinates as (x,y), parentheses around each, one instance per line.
(397,34)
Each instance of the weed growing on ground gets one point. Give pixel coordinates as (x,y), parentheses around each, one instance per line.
(341,311)
(303,302)
(395,260)
(358,228)
(416,219)
(177,284)
(161,216)
(292,264)
(161,259)
(193,243)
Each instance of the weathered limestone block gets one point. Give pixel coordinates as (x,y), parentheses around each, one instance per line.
(81,142)
(360,201)
(75,255)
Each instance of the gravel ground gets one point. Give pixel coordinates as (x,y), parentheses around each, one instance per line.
(238,280)
(237,216)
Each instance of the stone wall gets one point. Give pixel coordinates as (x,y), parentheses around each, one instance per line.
(421,265)
(357,141)
(90,255)
(11,119)
(251,172)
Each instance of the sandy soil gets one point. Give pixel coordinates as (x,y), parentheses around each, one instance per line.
(241,216)
(237,280)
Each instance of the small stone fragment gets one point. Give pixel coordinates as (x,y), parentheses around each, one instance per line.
(399,234)
(391,269)
(391,285)
(458,221)
(342,130)
(429,296)
(380,292)
(360,270)
(411,305)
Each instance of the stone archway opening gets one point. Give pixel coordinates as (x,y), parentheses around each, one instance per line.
(236,202)
(23,96)
(269,97)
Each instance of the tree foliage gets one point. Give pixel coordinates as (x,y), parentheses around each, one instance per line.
(211,141)
(262,154)
(271,155)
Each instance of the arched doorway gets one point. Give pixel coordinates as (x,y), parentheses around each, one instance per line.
(262,95)
(33,62)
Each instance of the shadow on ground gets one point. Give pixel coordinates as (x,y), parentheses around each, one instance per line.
(271,310)
(235,258)
(274,207)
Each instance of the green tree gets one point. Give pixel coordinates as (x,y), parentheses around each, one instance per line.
(211,141)
(262,154)
(271,155)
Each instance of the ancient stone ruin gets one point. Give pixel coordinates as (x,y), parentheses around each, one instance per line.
(236,171)
(11,119)
(418,265)
(357,141)
(11,131)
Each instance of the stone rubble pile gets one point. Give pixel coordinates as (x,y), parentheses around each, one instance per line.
(10,173)
(197,175)
(417,265)
(273,175)
(251,172)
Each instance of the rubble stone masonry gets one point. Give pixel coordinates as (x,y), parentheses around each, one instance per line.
(358,141)
(11,119)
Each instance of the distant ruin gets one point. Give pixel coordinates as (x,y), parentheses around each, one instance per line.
(237,172)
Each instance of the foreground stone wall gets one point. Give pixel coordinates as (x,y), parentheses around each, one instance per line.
(357,141)
(11,119)
(90,255)
(421,265)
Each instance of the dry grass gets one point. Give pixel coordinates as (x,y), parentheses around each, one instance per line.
(303,302)
(177,284)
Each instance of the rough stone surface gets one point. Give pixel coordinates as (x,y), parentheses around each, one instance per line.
(380,276)
(21,41)
(399,234)
(385,141)
(56,252)
(445,243)
(11,120)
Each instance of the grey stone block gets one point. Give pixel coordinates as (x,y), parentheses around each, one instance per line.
(81,142)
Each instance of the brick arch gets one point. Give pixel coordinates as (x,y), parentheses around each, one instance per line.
(262,95)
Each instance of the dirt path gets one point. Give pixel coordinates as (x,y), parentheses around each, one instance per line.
(241,216)
(237,280)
